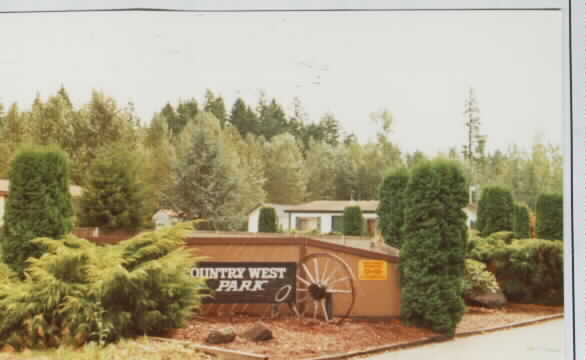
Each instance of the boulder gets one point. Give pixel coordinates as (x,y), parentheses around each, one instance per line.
(222,336)
(259,332)
(488,299)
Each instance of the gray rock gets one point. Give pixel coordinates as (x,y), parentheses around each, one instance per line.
(488,299)
(259,332)
(223,336)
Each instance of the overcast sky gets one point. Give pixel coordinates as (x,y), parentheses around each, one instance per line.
(418,65)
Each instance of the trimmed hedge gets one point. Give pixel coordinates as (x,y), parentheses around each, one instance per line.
(527,270)
(495,210)
(267,220)
(353,221)
(434,247)
(550,217)
(391,207)
(38,204)
(521,226)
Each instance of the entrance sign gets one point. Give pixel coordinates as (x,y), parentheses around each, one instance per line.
(248,282)
(372,270)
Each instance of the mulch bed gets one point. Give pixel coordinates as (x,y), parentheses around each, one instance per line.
(294,339)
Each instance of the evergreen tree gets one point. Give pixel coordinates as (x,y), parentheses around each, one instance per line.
(38,204)
(215,105)
(114,197)
(495,212)
(267,220)
(206,182)
(285,171)
(243,118)
(550,217)
(272,119)
(391,207)
(521,221)
(434,247)
(353,221)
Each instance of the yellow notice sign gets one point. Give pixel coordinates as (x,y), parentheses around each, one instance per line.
(372,270)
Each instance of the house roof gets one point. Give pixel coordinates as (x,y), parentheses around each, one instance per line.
(5,186)
(333,206)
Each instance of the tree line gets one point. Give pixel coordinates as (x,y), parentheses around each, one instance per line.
(210,160)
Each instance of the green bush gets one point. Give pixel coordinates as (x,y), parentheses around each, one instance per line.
(353,221)
(527,270)
(114,197)
(390,209)
(79,291)
(495,210)
(521,221)
(550,217)
(434,247)
(267,220)
(477,279)
(38,204)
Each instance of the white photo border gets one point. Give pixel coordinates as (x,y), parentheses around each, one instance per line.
(573,96)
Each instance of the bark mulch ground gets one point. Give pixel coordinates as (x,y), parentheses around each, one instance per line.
(294,339)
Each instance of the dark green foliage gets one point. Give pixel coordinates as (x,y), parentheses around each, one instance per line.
(353,221)
(81,292)
(495,210)
(267,220)
(114,197)
(434,247)
(477,279)
(550,217)
(521,221)
(527,270)
(391,206)
(38,204)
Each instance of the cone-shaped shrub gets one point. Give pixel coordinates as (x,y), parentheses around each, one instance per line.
(550,217)
(353,221)
(521,221)
(390,209)
(79,292)
(434,247)
(38,204)
(495,210)
(267,220)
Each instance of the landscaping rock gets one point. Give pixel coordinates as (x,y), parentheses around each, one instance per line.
(489,299)
(223,336)
(259,332)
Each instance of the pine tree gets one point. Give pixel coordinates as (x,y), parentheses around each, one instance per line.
(114,197)
(206,182)
(215,105)
(391,207)
(353,221)
(495,210)
(434,247)
(550,217)
(267,220)
(38,204)
(285,171)
(521,221)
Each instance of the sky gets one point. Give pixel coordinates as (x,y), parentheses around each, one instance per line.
(417,65)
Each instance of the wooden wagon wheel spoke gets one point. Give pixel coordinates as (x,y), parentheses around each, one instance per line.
(328,283)
(339,291)
(303,280)
(308,273)
(323,306)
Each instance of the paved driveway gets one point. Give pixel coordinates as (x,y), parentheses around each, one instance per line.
(543,341)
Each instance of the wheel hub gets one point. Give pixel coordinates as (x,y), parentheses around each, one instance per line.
(317,292)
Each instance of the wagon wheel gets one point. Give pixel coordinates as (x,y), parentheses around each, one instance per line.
(325,288)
